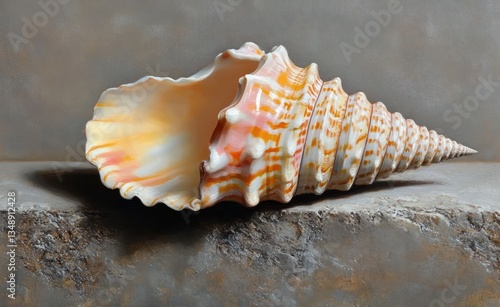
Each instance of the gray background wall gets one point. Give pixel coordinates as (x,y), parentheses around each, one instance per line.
(429,56)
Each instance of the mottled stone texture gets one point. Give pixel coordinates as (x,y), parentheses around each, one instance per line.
(430,237)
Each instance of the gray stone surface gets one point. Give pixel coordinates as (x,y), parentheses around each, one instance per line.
(429,237)
(429,60)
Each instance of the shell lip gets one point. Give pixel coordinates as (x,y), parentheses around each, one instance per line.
(201,74)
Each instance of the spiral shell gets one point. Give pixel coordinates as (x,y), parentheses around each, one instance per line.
(279,131)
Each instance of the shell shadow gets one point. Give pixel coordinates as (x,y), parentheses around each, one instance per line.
(309,199)
(131,221)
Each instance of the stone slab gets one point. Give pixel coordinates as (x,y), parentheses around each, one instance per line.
(429,237)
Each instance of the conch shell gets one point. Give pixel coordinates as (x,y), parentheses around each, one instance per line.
(279,131)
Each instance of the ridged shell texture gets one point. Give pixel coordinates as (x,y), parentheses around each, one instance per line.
(281,131)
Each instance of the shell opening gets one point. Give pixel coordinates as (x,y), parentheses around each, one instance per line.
(149,138)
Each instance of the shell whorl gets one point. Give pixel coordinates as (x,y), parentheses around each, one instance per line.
(290,133)
(257,146)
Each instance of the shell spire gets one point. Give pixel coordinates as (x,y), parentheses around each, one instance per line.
(289,133)
(279,131)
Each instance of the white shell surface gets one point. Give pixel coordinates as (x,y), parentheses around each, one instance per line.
(433,145)
(376,145)
(422,148)
(395,147)
(352,142)
(322,139)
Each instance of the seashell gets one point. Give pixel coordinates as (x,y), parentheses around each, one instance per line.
(250,127)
